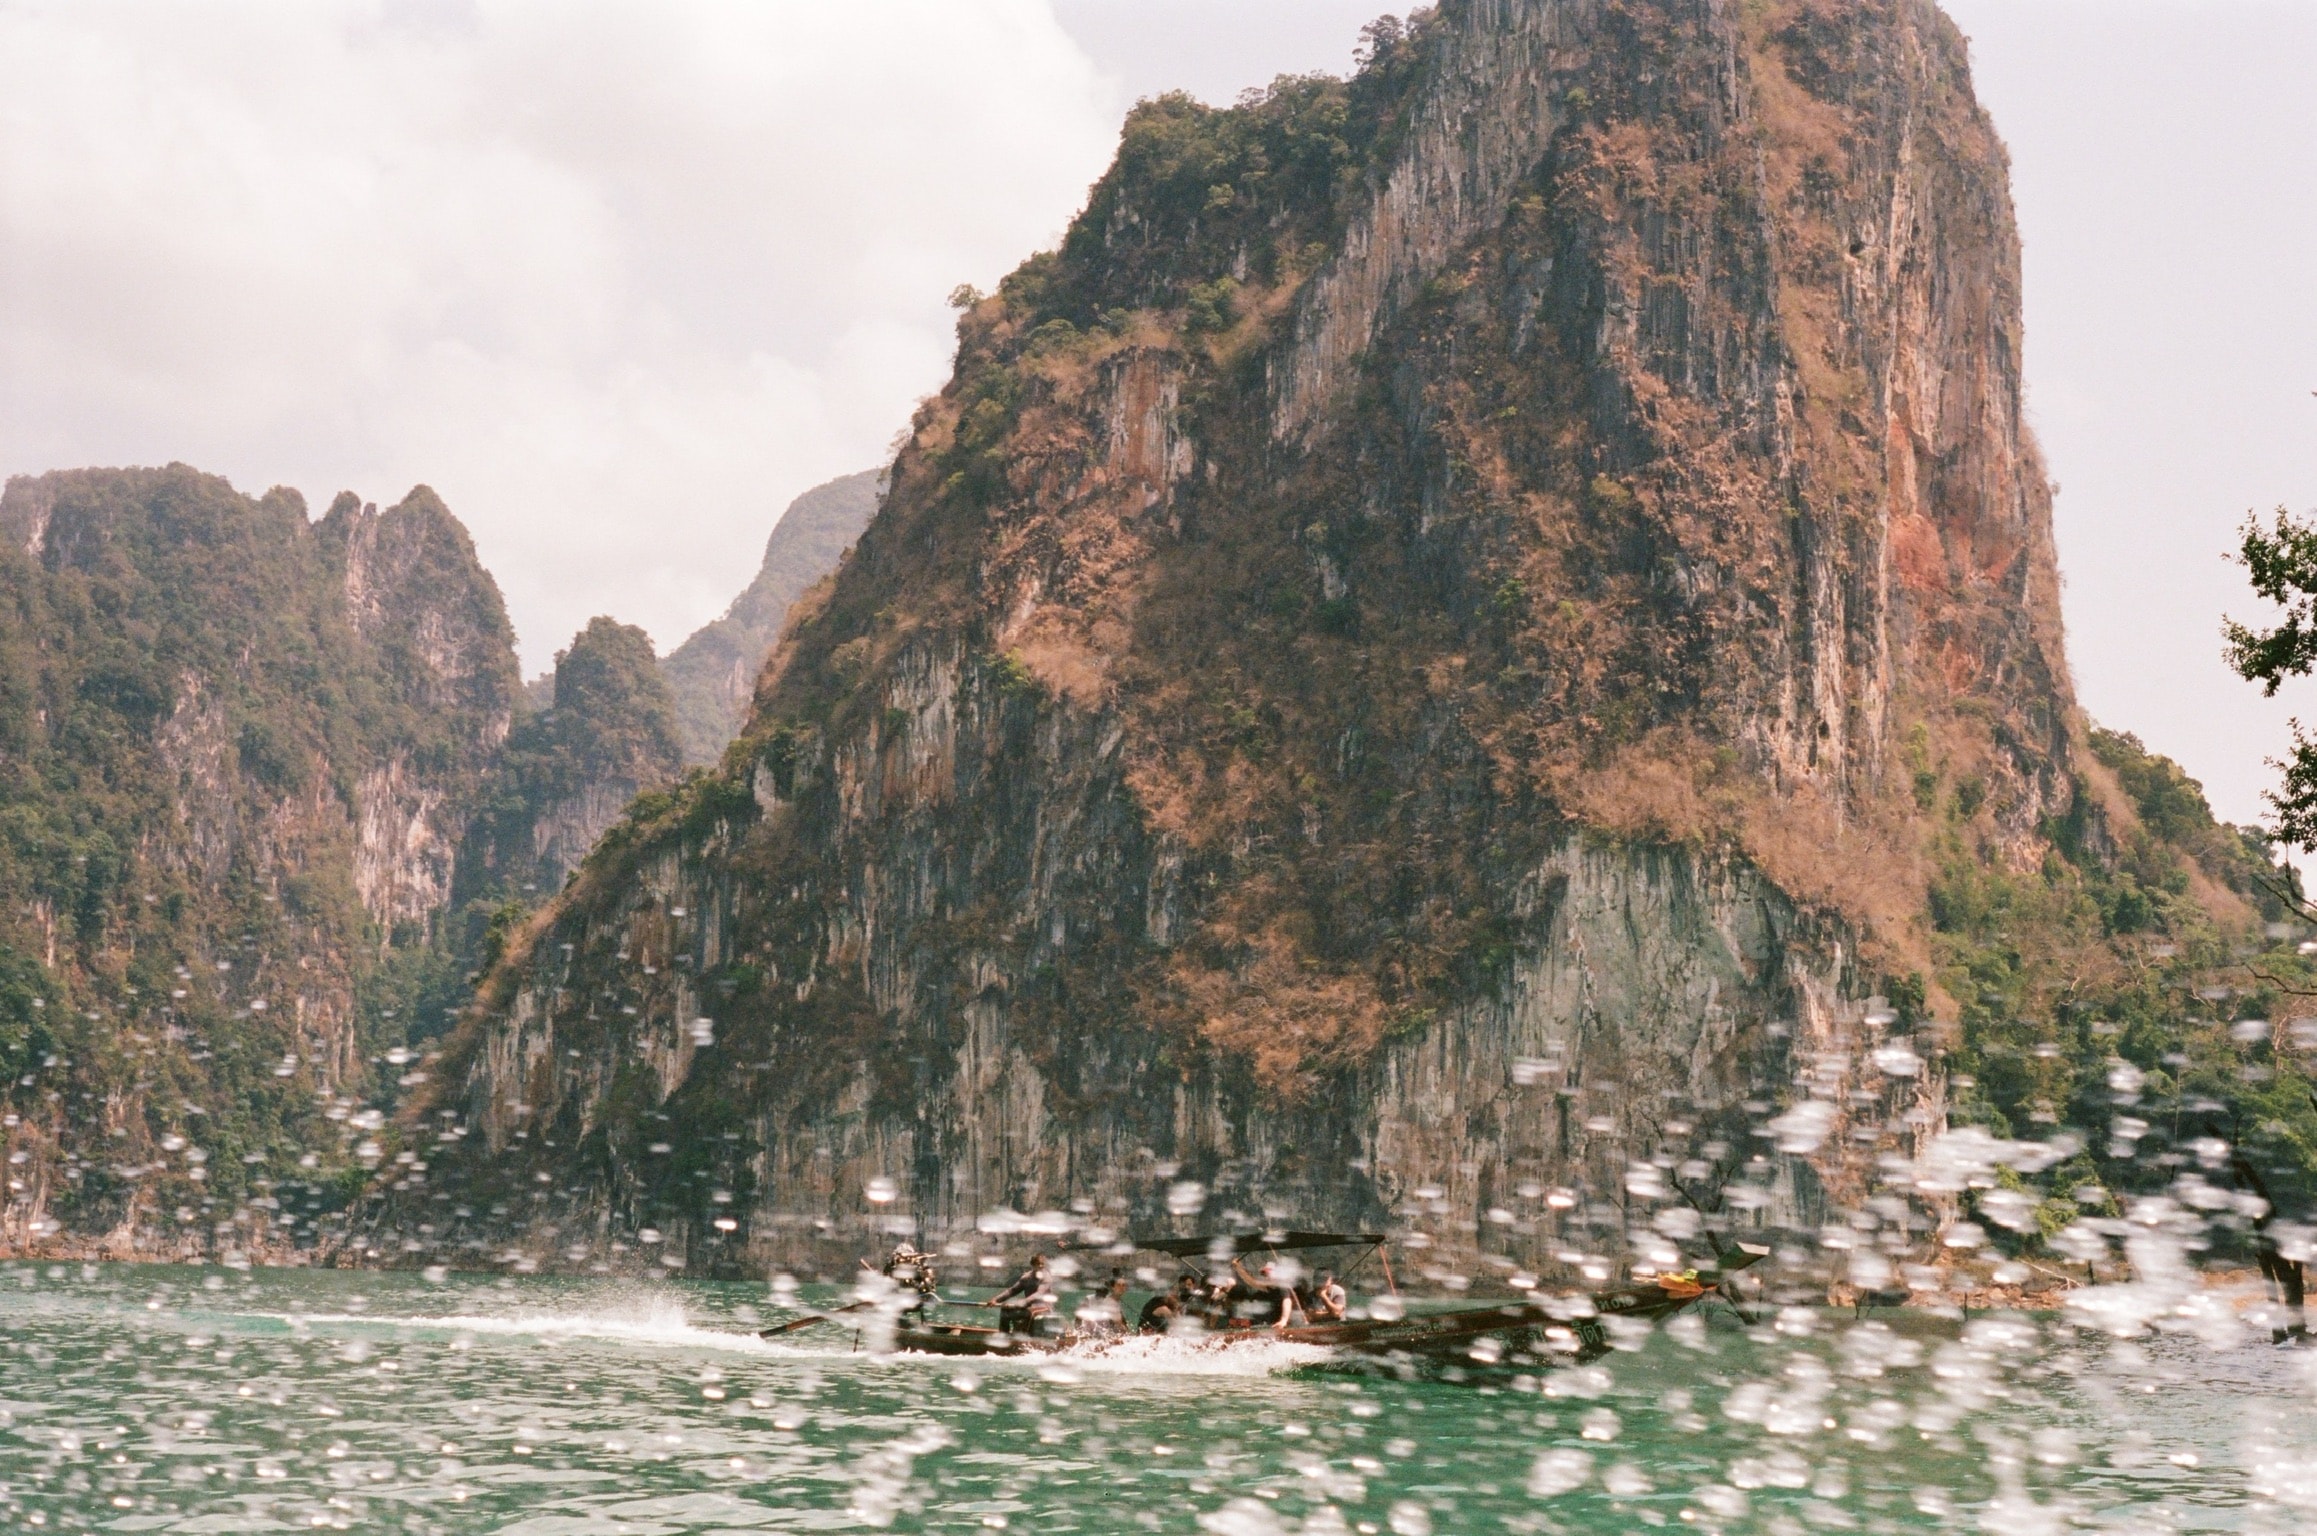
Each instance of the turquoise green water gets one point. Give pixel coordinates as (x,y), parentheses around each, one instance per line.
(169,1399)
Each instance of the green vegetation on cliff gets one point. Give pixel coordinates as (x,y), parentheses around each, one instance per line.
(565,773)
(220,726)
(2144,997)
(569,770)
(262,822)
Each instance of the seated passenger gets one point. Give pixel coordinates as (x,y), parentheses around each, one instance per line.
(1103,1315)
(1218,1301)
(1329,1304)
(912,1273)
(1159,1313)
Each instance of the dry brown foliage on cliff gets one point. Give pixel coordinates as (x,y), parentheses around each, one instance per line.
(1544,570)
(1687,502)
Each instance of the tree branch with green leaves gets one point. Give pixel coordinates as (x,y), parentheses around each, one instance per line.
(2282,560)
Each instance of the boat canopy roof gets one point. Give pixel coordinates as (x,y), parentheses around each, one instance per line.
(1256,1242)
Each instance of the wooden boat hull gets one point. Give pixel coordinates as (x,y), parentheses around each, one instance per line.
(1479,1333)
(1543,1331)
(1568,1330)
(969,1340)
(1483,1335)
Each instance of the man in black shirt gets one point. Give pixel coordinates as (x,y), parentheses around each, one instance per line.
(1024,1306)
(1159,1313)
(1265,1302)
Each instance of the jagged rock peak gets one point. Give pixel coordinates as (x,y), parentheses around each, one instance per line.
(1490,561)
(415,588)
(570,770)
(713,673)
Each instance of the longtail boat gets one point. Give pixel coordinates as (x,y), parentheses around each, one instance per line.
(1552,1330)
(1563,1329)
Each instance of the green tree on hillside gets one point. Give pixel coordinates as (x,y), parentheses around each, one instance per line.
(2282,560)
(612,726)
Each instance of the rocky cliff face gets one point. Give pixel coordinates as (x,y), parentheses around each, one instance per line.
(712,675)
(238,746)
(570,770)
(1419,661)
(421,603)
(266,809)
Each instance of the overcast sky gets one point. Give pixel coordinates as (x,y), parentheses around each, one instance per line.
(619,280)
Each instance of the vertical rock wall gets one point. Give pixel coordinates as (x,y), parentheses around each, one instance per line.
(237,749)
(1378,689)
(419,599)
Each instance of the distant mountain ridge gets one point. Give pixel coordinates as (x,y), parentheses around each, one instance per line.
(713,674)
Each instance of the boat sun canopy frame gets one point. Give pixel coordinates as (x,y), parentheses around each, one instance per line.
(1255,1242)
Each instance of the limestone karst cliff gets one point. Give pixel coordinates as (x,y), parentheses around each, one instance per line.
(1441,644)
(430,618)
(569,770)
(713,673)
(270,797)
(238,747)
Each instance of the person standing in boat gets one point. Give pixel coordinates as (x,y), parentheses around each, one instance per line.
(912,1271)
(1265,1302)
(1024,1306)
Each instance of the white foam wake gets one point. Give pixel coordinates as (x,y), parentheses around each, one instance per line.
(660,1325)
(666,1325)
(1142,1354)
(1133,1356)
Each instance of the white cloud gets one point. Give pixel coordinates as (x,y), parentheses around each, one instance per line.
(617,280)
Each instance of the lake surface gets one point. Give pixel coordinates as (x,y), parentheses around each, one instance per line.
(143,1398)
